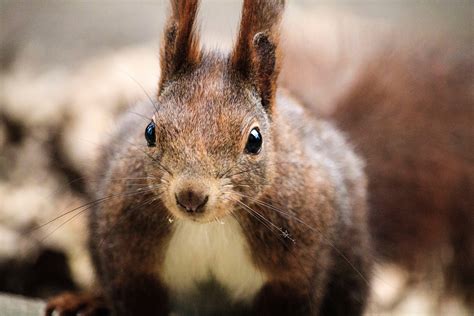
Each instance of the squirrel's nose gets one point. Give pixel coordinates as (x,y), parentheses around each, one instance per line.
(191,201)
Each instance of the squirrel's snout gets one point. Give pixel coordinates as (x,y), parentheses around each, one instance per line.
(191,200)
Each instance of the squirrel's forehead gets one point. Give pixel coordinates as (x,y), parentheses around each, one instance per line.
(214,107)
(203,123)
(197,90)
(203,140)
(206,109)
(210,128)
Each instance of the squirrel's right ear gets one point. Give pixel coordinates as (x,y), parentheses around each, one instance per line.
(180,47)
(256,56)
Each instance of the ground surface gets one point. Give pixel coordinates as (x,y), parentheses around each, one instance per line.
(20,306)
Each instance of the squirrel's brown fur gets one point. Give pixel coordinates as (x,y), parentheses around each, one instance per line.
(415,129)
(409,111)
(299,203)
(180,46)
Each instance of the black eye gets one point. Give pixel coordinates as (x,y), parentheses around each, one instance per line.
(254,142)
(150,134)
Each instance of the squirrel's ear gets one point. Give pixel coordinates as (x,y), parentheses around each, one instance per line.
(180,47)
(256,55)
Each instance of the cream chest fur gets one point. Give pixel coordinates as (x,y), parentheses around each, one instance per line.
(216,251)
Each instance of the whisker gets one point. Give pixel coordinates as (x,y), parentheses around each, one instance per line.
(138,148)
(141,115)
(279,237)
(151,157)
(64,223)
(288,215)
(279,229)
(124,216)
(143,89)
(88,204)
(259,167)
(222,175)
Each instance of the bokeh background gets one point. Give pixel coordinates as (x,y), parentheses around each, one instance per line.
(69,68)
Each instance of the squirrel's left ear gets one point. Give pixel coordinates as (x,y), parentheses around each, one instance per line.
(180,47)
(256,55)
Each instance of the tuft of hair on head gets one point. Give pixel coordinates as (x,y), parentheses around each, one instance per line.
(256,56)
(180,49)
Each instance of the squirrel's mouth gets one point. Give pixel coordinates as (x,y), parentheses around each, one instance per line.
(198,218)
(207,211)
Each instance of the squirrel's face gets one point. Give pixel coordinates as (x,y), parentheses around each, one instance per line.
(211,138)
(209,145)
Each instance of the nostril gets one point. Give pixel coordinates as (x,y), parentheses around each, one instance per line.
(201,206)
(191,201)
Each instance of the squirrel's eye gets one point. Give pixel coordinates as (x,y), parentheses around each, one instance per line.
(150,134)
(254,142)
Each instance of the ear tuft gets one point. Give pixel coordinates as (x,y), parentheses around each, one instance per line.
(266,72)
(256,56)
(260,39)
(180,49)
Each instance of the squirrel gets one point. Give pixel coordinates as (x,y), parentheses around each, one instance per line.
(230,198)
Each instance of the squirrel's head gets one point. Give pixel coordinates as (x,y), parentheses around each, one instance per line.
(210,139)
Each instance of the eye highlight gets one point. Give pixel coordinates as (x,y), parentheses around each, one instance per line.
(150,134)
(254,142)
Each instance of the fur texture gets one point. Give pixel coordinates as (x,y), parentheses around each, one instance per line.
(296,240)
(199,253)
(408,109)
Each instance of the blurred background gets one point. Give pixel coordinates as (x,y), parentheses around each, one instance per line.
(68,68)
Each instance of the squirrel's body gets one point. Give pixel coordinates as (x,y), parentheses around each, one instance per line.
(245,203)
(313,205)
(222,146)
